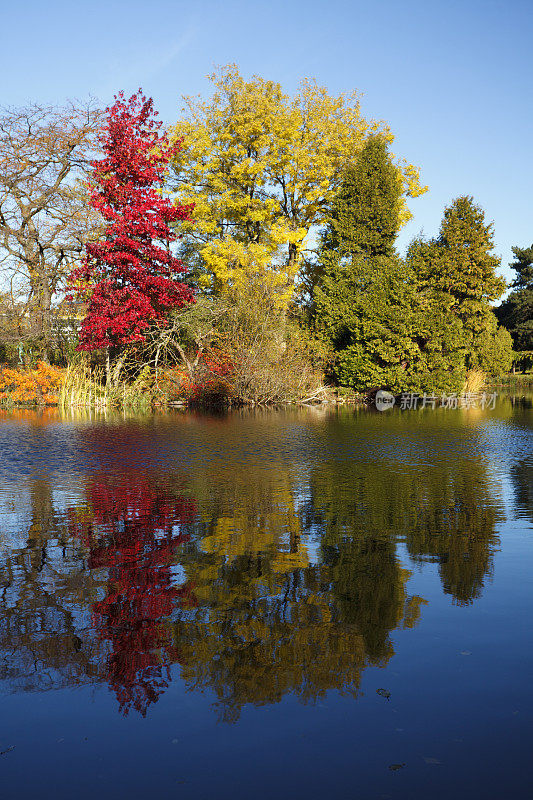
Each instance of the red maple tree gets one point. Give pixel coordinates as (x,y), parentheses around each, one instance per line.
(129,278)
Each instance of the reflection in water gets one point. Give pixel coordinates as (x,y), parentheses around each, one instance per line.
(522,478)
(272,618)
(133,529)
(444,509)
(275,579)
(45,638)
(446,514)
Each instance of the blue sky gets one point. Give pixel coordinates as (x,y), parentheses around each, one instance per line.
(453,79)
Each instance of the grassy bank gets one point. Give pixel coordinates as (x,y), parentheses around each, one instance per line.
(80,387)
(513,382)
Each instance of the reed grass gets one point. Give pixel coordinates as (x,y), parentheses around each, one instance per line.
(475,382)
(86,388)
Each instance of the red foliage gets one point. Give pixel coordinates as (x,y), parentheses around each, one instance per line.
(210,384)
(134,530)
(129,278)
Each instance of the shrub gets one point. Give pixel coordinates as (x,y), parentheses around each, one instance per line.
(39,386)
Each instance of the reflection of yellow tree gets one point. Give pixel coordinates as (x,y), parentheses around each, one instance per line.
(263,521)
(270,620)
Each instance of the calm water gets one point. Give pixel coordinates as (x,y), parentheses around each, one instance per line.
(301,604)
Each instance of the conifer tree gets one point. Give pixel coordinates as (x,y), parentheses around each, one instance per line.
(358,270)
(365,214)
(523,266)
(376,329)
(460,267)
(516,312)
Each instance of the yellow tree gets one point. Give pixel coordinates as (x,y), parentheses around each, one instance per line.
(261,168)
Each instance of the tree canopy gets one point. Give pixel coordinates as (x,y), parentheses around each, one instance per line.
(516,312)
(262,168)
(459,268)
(129,276)
(379,325)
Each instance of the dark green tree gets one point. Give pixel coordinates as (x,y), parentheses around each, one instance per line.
(365,215)
(459,266)
(516,312)
(378,326)
(523,266)
(359,273)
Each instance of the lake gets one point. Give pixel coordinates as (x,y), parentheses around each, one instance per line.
(302,603)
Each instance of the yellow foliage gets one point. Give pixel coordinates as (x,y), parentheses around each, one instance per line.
(261,168)
(36,386)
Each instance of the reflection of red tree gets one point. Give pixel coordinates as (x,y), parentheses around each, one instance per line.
(134,530)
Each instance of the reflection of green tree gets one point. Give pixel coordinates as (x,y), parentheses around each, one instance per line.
(522,478)
(456,527)
(269,621)
(444,512)
(369,587)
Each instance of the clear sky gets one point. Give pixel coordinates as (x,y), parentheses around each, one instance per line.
(453,78)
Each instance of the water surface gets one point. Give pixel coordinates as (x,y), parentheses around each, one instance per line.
(311,603)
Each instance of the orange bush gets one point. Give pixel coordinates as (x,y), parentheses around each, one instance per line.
(211,382)
(39,386)
(174,383)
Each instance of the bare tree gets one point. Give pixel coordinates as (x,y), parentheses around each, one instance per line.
(45,218)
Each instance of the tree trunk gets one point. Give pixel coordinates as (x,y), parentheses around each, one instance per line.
(40,313)
(46,322)
(117,369)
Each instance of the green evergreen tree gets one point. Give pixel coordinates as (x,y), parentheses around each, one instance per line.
(365,215)
(362,313)
(523,266)
(494,349)
(379,326)
(516,312)
(438,363)
(359,271)
(459,266)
